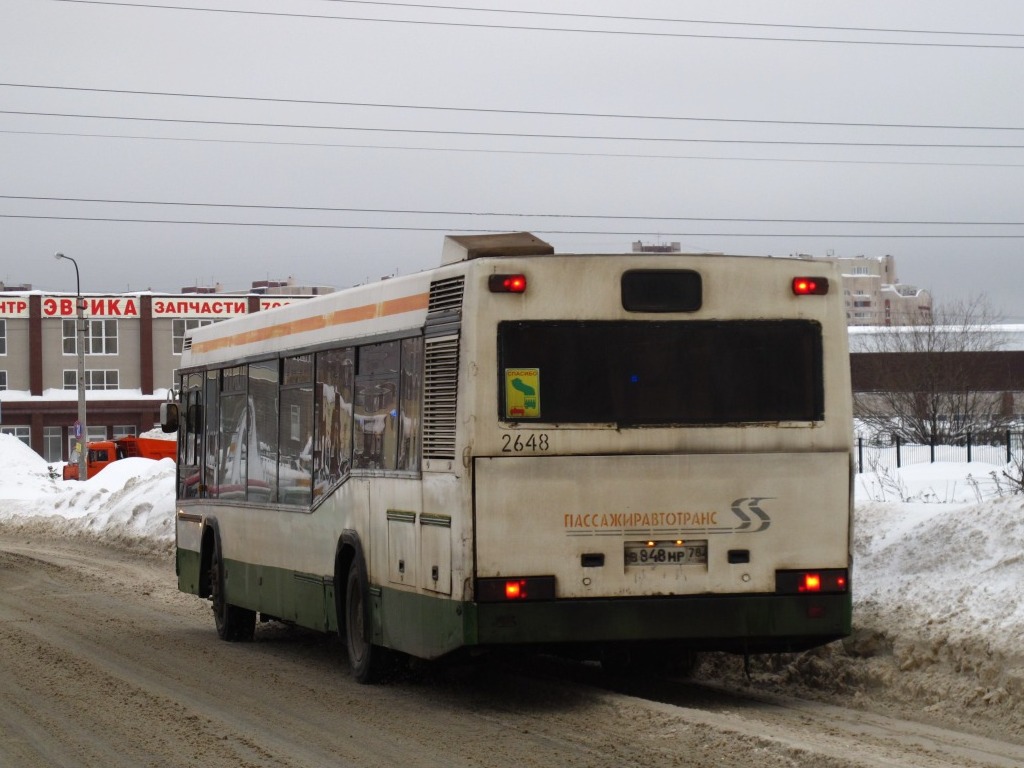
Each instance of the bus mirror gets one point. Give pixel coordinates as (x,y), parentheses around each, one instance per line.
(169,417)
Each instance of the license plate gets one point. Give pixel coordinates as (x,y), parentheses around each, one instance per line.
(692,552)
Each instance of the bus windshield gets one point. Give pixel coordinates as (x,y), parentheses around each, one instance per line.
(663,373)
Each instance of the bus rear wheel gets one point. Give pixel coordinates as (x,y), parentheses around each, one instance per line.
(366,660)
(233,623)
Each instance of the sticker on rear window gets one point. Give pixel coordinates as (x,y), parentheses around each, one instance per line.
(522,393)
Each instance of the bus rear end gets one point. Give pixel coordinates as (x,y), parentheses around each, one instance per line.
(662,454)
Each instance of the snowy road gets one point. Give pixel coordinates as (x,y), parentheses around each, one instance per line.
(103,662)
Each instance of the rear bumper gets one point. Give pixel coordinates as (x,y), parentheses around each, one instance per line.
(755,623)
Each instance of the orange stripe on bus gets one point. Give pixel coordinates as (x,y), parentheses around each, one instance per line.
(317,322)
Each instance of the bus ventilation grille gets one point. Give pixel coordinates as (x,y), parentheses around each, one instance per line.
(441,364)
(446,295)
(186,344)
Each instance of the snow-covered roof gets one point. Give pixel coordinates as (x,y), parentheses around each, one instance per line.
(1003,338)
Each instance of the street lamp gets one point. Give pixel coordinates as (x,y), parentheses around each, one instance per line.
(83,452)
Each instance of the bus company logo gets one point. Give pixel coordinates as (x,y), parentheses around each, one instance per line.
(625,521)
(752,519)
(749,511)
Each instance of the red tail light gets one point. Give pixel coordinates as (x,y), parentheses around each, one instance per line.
(810,286)
(506,283)
(811,583)
(832,580)
(515,589)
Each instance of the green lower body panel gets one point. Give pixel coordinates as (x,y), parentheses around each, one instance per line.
(302,598)
(187,566)
(305,599)
(757,623)
(421,624)
(429,627)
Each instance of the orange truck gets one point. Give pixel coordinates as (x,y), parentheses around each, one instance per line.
(104,452)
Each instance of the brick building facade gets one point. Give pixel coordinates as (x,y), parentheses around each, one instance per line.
(133,346)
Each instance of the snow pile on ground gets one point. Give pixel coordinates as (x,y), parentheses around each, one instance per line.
(948,559)
(938,618)
(130,501)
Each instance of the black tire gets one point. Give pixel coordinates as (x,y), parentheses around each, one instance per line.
(233,623)
(366,660)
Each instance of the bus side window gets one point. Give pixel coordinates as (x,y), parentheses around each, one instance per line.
(333,395)
(194,419)
(295,434)
(209,436)
(412,397)
(261,450)
(233,449)
(376,406)
(190,450)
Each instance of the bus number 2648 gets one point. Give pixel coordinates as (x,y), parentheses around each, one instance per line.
(520,444)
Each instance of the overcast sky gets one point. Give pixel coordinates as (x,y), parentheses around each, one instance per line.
(674,123)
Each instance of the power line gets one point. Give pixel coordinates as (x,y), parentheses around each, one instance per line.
(523,28)
(426,212)
(634,233)
(552,153)
(676,21)
(528,112)
(512,134)
(623,155)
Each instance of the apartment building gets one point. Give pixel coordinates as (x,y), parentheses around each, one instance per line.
(874,295)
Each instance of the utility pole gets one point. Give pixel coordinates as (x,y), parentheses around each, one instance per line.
(81,426)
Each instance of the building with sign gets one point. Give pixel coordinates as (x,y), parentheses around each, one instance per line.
(133,345)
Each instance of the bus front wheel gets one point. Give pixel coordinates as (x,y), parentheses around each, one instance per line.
(233,623)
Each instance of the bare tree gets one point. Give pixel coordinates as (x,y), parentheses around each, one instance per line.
(939,378)
(1014,472)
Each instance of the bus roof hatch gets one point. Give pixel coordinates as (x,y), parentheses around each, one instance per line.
(464,247)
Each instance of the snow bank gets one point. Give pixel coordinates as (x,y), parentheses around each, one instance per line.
(131,500)
(946,558)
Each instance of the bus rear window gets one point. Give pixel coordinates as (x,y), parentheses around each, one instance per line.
(652,373)
(662,290)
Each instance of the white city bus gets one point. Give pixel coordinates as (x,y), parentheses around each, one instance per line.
(630,456)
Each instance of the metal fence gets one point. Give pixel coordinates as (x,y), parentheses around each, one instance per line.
(998,449)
